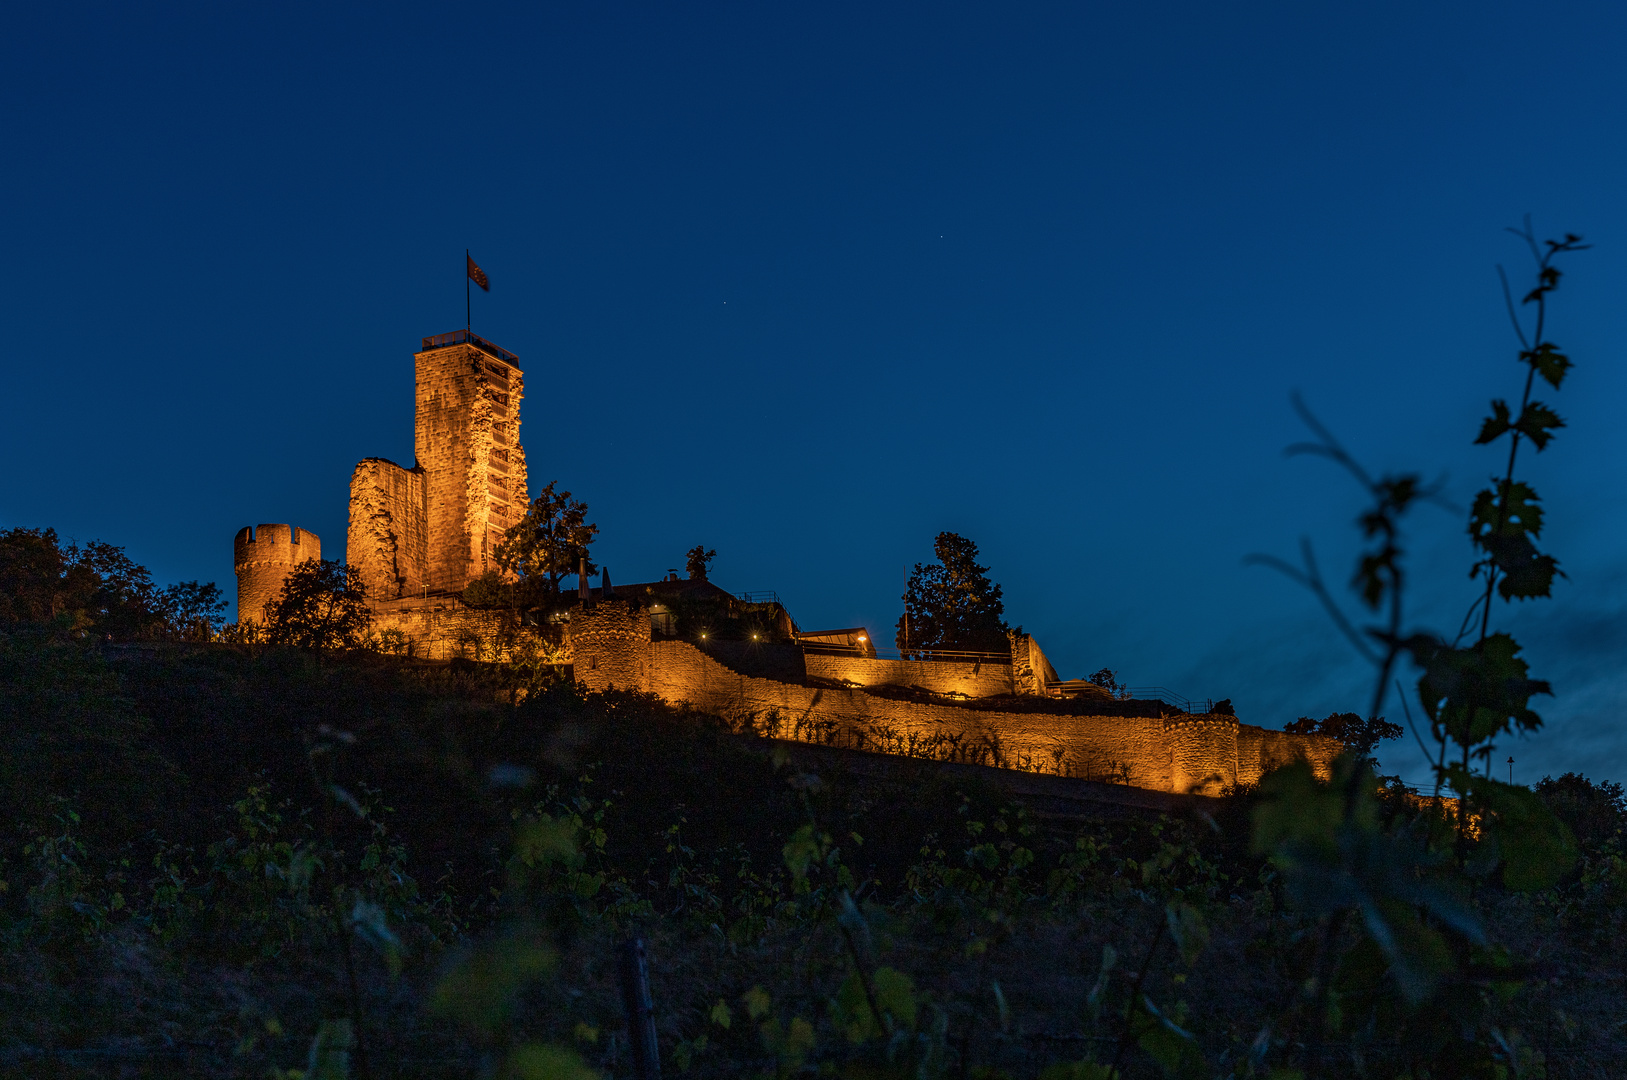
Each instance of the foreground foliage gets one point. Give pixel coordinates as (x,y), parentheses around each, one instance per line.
(372,865)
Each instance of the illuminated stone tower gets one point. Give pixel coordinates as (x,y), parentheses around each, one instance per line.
(434,527)
(263,556)
(468,444)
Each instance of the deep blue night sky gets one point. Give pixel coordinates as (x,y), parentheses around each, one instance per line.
(810,283)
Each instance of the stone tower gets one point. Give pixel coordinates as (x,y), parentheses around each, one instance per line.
(468,444)
(263,556)
(434,527)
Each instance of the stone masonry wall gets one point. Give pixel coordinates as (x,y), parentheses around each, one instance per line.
(1203,752)
(467,428)
(1031,672)
(440,628)
(1071,745)
(389,530)
(445,390)
(1259,750)
(506,492)
(973,679)
(611,647)
(263,556)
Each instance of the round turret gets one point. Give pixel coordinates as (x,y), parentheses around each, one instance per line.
(1203,752)
(264,555)
(610,644)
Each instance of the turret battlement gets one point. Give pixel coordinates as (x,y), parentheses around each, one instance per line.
(282,543)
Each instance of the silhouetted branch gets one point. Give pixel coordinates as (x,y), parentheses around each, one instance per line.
(1311,578)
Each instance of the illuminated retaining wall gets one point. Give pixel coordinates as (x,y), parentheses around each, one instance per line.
(611,647)
(1026,672)
(441,628)
(1259,750)
(974,679)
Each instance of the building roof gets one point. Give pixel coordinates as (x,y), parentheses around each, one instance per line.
(852,638)
(682,589)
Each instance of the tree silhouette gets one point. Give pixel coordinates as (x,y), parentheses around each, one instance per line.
(700,557)
(1360,736)
(193,610)
(550,541)
(96,588)
(952,604)
(322,606)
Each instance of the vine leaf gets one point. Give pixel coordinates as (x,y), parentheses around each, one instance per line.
(1537,423)
(1548,280)
(1504,529)
(1496,424)
(1335,856)
(1535,848)
(1549,362)
(1189,929)
(1477,693)
(1527,574)
(1165,1041)
(1519,513)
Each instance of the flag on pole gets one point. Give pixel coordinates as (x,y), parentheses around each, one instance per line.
(477,275)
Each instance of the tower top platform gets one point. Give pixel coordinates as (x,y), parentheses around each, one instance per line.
(466,337)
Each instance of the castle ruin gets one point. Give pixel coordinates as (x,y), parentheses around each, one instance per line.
(420,535)
(433,528)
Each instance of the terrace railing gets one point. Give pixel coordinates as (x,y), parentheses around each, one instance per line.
(960,655)
(465,337)
(1196,706)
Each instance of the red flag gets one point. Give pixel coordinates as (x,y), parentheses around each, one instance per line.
(477,275)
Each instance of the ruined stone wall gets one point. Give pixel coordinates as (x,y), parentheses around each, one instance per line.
(501,495)
(467,437)
(388,539)
(973,679)
(263,556)
(1085,746)
(1031,672)
(441,628)
(611,647)
(1259,750)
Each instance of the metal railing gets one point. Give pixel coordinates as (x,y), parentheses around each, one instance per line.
(1197,706)
(760,596)
(961,655)
(466,337)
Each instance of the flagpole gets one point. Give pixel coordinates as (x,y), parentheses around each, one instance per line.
(468,319)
